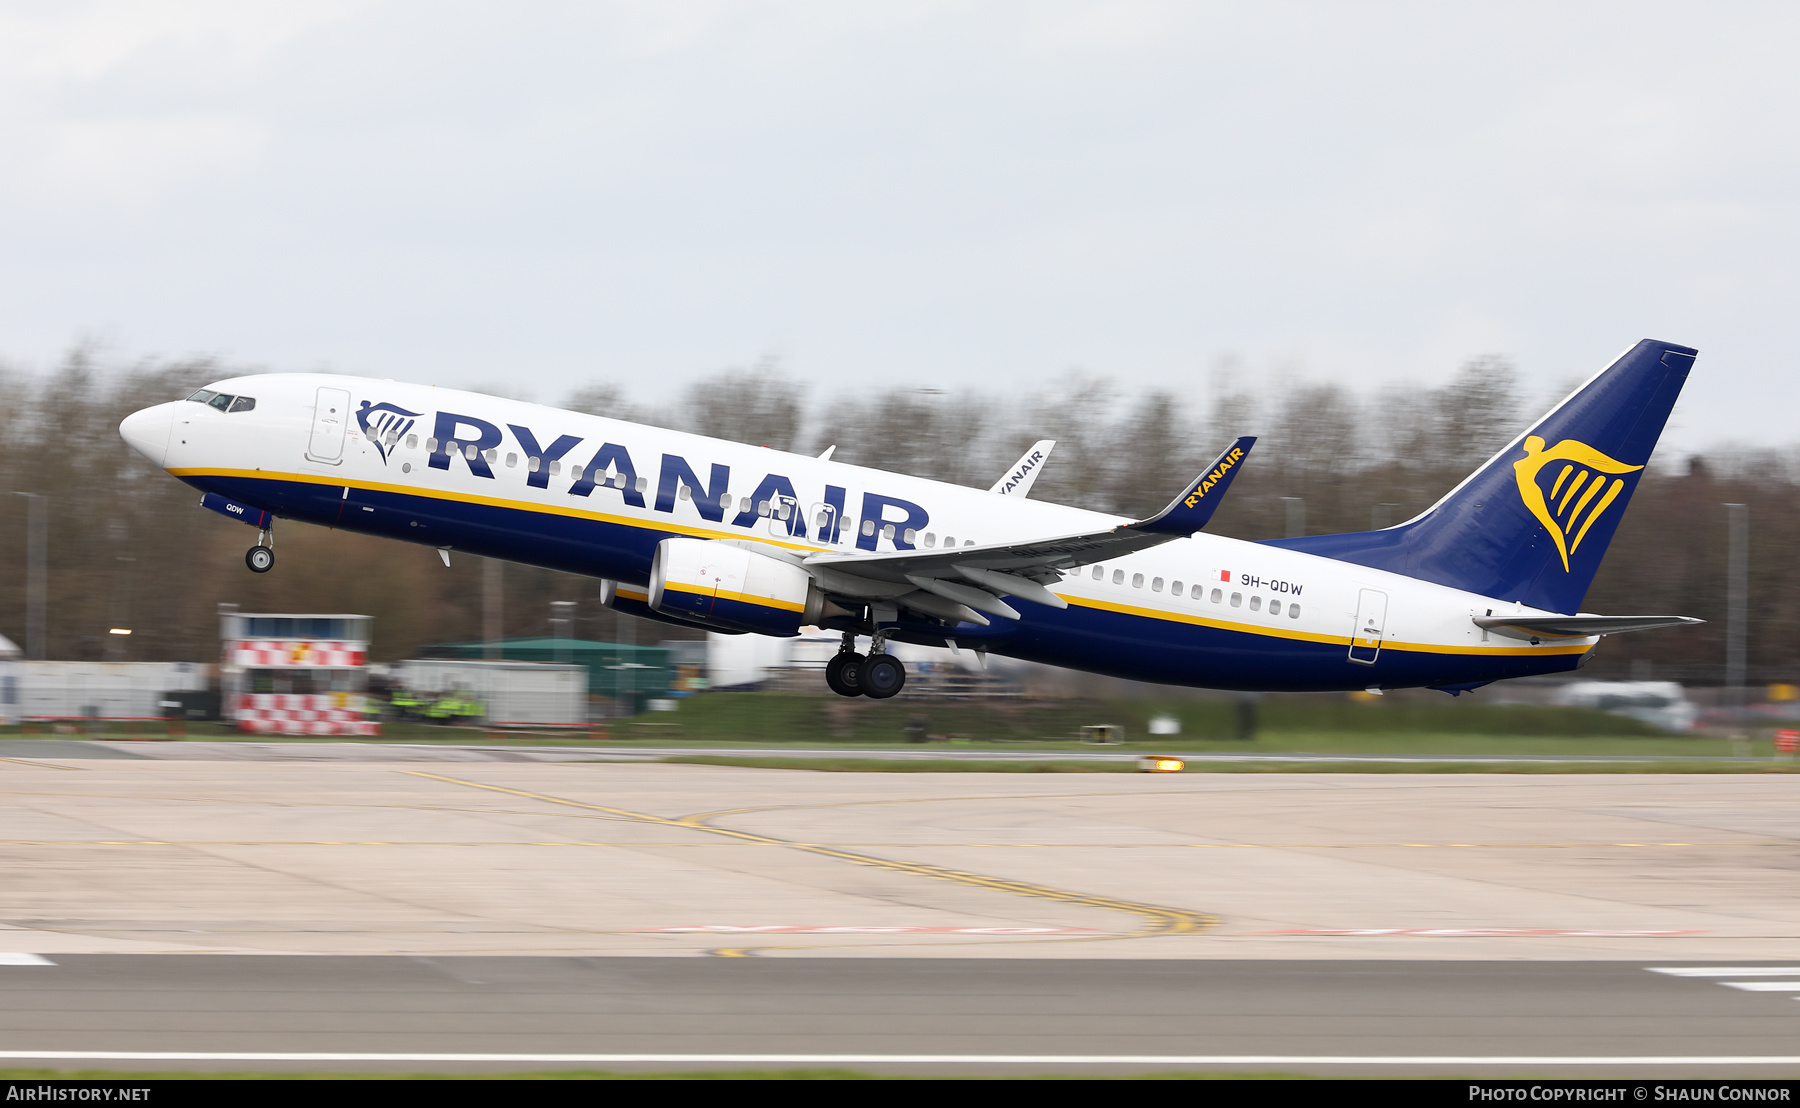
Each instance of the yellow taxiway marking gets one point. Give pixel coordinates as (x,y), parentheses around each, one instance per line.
(1158,919)
(39,765)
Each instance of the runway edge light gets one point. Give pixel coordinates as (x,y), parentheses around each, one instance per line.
(1158,763)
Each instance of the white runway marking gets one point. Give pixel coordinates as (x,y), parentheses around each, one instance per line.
(1740,971)
(1728,971)
(922,1059)
(24,960)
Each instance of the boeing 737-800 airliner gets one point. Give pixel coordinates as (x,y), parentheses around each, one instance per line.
(1484,585)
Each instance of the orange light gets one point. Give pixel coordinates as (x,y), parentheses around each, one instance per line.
(1152,764)
(120,631)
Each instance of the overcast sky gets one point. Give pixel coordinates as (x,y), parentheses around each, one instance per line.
(540,195)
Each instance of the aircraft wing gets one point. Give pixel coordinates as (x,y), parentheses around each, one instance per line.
(1022,474)
(975,575)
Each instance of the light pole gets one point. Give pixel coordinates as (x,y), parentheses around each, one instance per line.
(36,548)
(1737,586)
(562,626)
(1294,508)
(492,598)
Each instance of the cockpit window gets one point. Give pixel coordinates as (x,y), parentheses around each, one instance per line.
(223,401)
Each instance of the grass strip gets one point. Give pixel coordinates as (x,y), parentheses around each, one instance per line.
(905,765)
(129,1076)
(971,765)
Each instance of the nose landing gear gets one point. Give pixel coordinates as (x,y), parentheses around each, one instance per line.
(261,557)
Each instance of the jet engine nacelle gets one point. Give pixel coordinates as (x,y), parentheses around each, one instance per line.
(710,582)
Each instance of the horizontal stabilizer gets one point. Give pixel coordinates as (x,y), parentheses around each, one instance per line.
(1191,511)
(1577,627)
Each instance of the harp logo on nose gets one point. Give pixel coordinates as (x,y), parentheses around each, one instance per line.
(1579,490)
(383,424)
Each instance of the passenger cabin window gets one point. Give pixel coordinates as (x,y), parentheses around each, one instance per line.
(1156,584)
(1293,611)
(1237,600)
(868,528)
(1256,603)
(555,468)
(949,540)
(1175,588)
(412,442)
(243,404)
(1137,580)
(930,539)
(1218,595)
(512,460)
(682,492)
(1099,572)
(909,536)
(575,472)
(1118,577)
(536,463)
(1274,607)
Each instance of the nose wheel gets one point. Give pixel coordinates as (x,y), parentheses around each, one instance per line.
(261,557)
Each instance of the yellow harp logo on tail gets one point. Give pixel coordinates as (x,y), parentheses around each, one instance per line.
(1579,490)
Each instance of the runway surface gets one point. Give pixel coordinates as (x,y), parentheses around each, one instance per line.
(423,915)
(898,1015)
(596,859)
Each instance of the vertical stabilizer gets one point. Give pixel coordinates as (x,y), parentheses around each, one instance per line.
(1532,524)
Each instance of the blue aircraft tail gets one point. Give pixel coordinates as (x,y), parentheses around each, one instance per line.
(1532,524)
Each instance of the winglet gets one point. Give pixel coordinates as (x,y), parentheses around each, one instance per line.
(1018,480)
(1191,511)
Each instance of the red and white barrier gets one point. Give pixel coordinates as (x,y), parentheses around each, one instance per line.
(302,714)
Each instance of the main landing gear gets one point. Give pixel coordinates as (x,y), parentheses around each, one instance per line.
(261,557)
(877,676)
